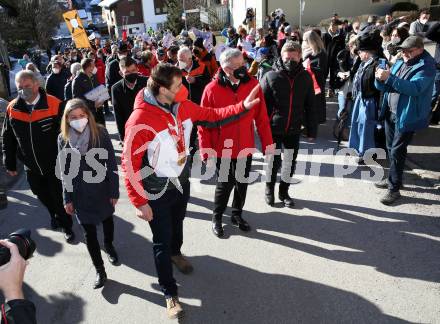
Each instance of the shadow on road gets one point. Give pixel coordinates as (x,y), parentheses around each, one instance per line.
(231,293)
(394,243)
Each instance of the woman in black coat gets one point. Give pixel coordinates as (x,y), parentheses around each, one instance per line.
(315,55)
(90,180)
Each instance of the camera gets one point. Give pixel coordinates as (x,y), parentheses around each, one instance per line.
(26,246)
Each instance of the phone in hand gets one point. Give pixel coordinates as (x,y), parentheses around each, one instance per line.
(382,64)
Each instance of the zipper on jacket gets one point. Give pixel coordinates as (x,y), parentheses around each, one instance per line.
(32,144)
(291,104)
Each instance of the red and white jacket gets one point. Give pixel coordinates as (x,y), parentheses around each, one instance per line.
(150,157)
(218,93)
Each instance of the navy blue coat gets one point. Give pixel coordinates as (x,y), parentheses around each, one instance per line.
(91,201)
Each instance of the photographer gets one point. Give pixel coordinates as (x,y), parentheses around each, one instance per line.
(15,309)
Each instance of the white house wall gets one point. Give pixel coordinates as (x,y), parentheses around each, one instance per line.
(150,19)
(315,10)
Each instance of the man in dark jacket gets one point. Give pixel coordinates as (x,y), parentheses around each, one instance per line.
(56,81)
(16,309)
(30,132)
(334,42)
(289,95)
(124,92)
(112,74)
(85,82)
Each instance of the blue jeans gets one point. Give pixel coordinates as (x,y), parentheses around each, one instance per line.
(167,227)
(397,144)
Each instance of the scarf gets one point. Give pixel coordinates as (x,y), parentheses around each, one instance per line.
(80,141)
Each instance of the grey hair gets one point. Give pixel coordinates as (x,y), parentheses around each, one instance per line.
(291,46)
(75,68)
(26,74)
(184,51)
(228,55)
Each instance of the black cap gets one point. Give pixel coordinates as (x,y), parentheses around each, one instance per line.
(369,42)
(411,42)
(199,43)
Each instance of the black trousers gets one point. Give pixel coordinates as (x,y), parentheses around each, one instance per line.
(228,168)
(167,226)
(92,240)
(290,143)
(397,144)
(49,191)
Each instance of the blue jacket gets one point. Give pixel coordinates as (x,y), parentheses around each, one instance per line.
(414,103)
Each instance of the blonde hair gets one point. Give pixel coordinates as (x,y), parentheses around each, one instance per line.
(315,42)
(72,105)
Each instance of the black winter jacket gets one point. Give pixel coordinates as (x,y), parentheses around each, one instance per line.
(289,99)
(18,311)
(123,101)
(83,84)
(55,85)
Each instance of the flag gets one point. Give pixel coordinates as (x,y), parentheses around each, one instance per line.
(76,28)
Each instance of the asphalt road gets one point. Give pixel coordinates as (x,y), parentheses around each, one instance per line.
(339,256)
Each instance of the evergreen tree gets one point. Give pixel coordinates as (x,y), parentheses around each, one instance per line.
(35,24)
(174,21)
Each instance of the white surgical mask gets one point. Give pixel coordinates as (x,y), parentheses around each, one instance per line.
(79,124)
(183,65)
(56,70)
(94,70)
(395,40)
(423,21)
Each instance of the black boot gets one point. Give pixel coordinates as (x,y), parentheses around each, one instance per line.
(101,278)
(111,254)
(270,193)
(241,223)
(217,227)
(283,195)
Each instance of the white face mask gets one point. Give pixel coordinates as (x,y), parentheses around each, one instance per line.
(56,70)
(94,70)
(182,65)
(423,21)
(79,124)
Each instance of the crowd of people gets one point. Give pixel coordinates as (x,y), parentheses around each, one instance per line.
(173,96)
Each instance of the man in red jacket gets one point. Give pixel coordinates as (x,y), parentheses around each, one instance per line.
(231,85)
(156,166)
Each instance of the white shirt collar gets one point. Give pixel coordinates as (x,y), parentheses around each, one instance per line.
(33,103)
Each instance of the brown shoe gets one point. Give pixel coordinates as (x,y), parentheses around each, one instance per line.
(174,309)
(182,264)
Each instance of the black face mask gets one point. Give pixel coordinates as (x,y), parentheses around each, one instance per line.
(240,73)
(291,65)
(131,78)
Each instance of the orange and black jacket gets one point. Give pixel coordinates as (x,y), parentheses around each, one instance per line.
(31,134)
(200,72)
(209,60)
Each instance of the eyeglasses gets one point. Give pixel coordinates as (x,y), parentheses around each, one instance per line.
(409,50)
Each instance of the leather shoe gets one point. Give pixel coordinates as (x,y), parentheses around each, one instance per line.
(112,255)
(69,235)
(174,308)
(182,264)
(217,228)
(382,184)
(101,278)
(270,194)
(241,223)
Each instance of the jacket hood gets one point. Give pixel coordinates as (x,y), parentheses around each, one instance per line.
(146,97)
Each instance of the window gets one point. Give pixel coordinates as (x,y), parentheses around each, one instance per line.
(132,13)
(435,3)
(160,7)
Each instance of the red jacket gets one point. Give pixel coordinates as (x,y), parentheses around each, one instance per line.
(149,147)
(219,94)
(100,75)
(143,70)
